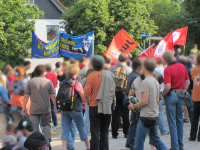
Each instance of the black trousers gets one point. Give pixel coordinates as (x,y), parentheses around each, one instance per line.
(99,128)
(195,121)
(116,113)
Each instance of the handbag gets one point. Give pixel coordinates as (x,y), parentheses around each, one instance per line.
(182,94)
(149,122)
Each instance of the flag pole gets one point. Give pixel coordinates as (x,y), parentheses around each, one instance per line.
(183,49)
(93,44)
(142,50)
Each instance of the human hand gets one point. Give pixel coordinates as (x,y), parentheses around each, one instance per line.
(24,111)
(130,106)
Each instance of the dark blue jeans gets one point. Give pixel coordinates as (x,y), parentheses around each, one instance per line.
(141,134)
(132,129)
(188,103)
(54,117)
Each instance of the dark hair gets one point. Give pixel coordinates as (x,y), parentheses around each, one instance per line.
(136,63)
(58,64)
(150,64)
(160,62)
(39,70)
(26,63)
(48,67)
(98,62)
(108,60)
(122,57)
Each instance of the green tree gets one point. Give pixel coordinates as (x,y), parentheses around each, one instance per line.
(16,30)
(68,3)
(107,18)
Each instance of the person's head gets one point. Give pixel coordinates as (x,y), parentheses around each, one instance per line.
(86,62)
(97,62)
(3,81)
(136,64)
(123,57)
(76,62)
(27,65)
(108,61)
(149,65)
(83,72)
(11,129)
(25,127)
(72,71)
(198,59)
(19,74)
(195,46)
(58,64)
(188,61)
(10,140)
(182,60)
(179,50)
(65,64)
(48,68)
(168,56)
(39,70)
(160,62)
(193,57)
(106,67)
(8,71)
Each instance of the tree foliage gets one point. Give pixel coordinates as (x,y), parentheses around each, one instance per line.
(107,18)
(68,3)
(16,30)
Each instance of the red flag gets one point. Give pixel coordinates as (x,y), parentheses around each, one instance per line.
(122,42)
(146,52)
(165,44)
(180,36)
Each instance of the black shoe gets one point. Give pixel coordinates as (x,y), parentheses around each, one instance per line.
(190,139)
(50,147)
(125,135)
(181,149)
(114,137)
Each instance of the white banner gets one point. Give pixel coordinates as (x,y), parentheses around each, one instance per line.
(51,61)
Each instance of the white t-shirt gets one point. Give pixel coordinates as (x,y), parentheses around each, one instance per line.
(161,71)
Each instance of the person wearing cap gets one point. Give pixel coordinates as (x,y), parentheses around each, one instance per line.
(120,94)
(35,140)
(27,66)
(100,88)
(39,89)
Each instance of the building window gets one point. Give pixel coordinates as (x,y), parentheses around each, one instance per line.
(52,31)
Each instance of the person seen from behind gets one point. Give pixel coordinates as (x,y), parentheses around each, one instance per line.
(176,82)
(100,88)
(53,78)
(194,50)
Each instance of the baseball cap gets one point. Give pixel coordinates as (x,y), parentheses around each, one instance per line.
(25,124)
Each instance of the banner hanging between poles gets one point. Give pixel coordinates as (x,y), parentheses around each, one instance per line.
(63,44)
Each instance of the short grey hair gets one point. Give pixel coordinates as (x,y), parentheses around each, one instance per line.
(97,62)
(192,56)
(189,61)
(168,56)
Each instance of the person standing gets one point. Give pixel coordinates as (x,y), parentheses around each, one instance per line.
(162,126)
(195,73)
(26,66)
(149,113)
(178,53)
(51,76)
(39,89)
(100,88)
(176,80)
(120,94)
(194,50)
(133,86)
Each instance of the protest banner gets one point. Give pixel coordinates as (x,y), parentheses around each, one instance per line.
(146,52)
(165,44)
(180,36)
(35,62)
(121,43)
(63,44)
(76,46)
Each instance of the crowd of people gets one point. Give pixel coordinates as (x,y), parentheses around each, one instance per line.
(99,94)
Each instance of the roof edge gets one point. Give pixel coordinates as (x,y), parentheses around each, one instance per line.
(61,4)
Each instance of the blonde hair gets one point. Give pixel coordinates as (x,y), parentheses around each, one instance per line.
(3,81)
(72,70)
(106,66)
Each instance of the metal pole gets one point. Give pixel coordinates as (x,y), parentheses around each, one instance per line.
(93,44)
(149,38)
(183,49)
(144,44)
